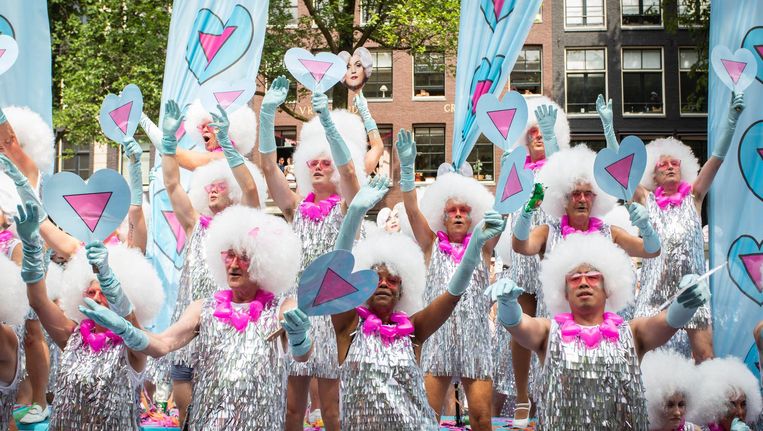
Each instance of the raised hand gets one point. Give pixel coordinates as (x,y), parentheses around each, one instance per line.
(371,193)
(362,105)
(737,106)
(546,115)
(98,255)
(12,171)
(27,223)
(686,304)
(321,106)
(134,338)
(131,148)
(640,218)
(505,291)
(491,226)
(276,95)
(604,108)
(170,125)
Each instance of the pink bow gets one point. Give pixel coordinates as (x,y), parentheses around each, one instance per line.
(594,224)
(313,211)
(456,252)
(591,337)
(663,200)
(388,333)
(96,341)
(534,166)
(224,310)
(204,221)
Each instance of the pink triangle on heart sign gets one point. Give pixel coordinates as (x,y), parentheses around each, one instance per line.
(2,52)
(121,116)
(502,120)
(497,7)
(480,89)
(734,68)
(316,68)
(621,170)
(333,287)
(177,230)
(753,264)
(89,207)
(513,185)
(226,98)
(211,43)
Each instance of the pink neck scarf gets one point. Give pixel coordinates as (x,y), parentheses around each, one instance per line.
(534,166)
(204,221)
(372,324)
(225,313)
(664,201)
(316,212)
(455,251)
(593,336)
(594,224)
(96,341)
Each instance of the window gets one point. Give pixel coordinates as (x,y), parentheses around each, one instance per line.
(430,149)
(286,136)
(693,92)
(388,164)
(593,142)
(692,13)
(586,77)
(294,12)
(78,163)
(379,85)
(642,81)
(526,76)
(481,159)
(584,13)
(429,74)
(642,12)
(539,16)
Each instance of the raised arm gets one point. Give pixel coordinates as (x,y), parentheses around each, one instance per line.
(9,146)
(546,115)
(137,234)
(250,194)
(649,243)
(524,241)
(187,159)
(406,151)
(377,145)
(530,332)
(181,203)
(604,108)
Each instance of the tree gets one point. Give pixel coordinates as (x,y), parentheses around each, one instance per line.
(696,19)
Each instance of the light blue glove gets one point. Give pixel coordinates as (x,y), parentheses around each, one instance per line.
(23,188)
(3,119)
(279,89)
(153,132)
(738,425)
(296,323)
(522,226)
(604,108)
(173,118)
(640,218)
(222,124)
(134,338)
(339,150)
(721,147)
(491,226)
(133,151)
(683,308)
(366,198)
(362,105)
(28,229)
(406,151)
(98,256)
(505,291)
(546,115)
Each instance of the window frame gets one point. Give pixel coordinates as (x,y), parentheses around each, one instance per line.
(416,98)
(678,15)
(539,48)
(88,150)
(566,72)
(295,18)
(391,97)
(602,27)
(623,71)
(680,98)
(661,25)
(444,127)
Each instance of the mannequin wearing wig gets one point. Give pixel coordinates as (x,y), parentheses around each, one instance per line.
(585,280)
(728,395)
(13,306)
(388,219)
(669,384)
(673,193)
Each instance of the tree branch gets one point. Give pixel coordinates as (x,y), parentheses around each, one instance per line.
(321,25)
(286,109)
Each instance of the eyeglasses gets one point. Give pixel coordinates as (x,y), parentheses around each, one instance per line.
(665,164)
(230,255)
(218,186)
(576,279)
(453,211)
(579,194)
(325,163)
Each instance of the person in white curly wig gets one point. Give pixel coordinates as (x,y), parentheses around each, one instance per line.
(670,388)
(388,219)
(729,397)
(585,281)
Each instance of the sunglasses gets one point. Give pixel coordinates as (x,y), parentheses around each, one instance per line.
(312,164)
(576,279)
(219,187)
(453,211)
(586,195)
(665,164)
(230,255)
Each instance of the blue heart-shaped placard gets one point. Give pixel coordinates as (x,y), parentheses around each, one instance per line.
(328,285)
(750,158)
(746,267)
(753,41)
(87,211)
(120,115)
(618,172)
(736,70)
(318,73)
(231,95)
(515,185)
(214,46)
(502,121)
(9,52)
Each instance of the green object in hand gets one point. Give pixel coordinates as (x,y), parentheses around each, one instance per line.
(537,196)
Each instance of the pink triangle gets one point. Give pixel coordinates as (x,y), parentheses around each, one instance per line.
(480,89)
(333,287)
(316,68)
(621,170)
(753,263)
(497,7)
(180,131)
(89,207)
(226,98)
(177,230)
(211,43)
(734,69)
(121,116)
(513,185)
(2,52)
(759,49)
(502,120)
(760,152)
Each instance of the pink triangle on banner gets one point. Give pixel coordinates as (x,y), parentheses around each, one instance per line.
(759,49)
(734,69)
(226,98)
(502,120)
(480,89)
(2,52)
(316,68)
(513,185)
(121,116)
(333,287)
(177,230)
(180,131)
(211,43)
(497,7)
(760,152)
(753,264)
(621,170)
(89,207)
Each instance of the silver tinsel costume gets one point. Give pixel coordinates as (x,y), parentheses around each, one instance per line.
(462,347)
(8,391)
(503,373)
(591,389)
(239,379)
(382,386)
(95,391)
(524,269)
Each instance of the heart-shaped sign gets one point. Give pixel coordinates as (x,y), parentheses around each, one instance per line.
(231,95)
(502,122)
(213,47)
(753,41)
(9,52)
(618,172)
(750,158)
(737,70)
(120,115)
(515,185)
(328,285)
(746,267)
(87,211)
(318,73)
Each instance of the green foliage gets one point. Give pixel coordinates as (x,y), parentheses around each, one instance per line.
(695,19)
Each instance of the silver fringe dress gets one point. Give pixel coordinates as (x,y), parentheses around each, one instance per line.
(524,269)
(503,373)
(95,391)
(591,389)
(239,381)
(8,392)
(463,346)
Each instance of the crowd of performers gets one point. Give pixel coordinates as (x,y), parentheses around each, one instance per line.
(567,324)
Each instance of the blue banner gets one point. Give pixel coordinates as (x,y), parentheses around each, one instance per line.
(28,82)
(491,34)
(208,40)
(736,198)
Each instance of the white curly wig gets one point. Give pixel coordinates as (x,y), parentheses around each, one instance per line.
(135,273)
(9,198)
(219,170)
(405,224)
(403,258)
(720,379)
(503,247)
(562,172)
(675,149)
(34,134)
(242,130)
(54,280)
(597,251)
(561,128)
(13,299)
(458,187)
(666,373)
(619,217)
(384,214)
(313,143)
(274,250)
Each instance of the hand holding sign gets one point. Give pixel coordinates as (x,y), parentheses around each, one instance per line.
(618,172)
(120,115)
(319,72)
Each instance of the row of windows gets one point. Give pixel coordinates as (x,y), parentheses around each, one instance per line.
(591,14)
